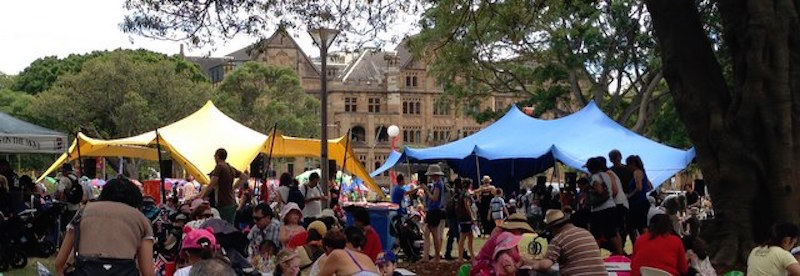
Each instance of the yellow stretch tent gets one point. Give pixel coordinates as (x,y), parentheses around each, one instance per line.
(285,146)
(193,140)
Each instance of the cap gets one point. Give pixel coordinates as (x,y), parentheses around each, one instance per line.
(386,257)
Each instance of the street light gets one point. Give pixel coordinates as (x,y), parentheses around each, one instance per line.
(394,132)
(324,38)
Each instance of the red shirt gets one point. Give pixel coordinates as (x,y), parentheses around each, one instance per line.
(664,252)
(373,245)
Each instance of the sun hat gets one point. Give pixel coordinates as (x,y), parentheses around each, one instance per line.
(291,206)
(486,179)
(286,255)
(386,257)
(319,226)
(327,213)
(434,170)
(505,241)
(516,221)
(198,239)
(555,217)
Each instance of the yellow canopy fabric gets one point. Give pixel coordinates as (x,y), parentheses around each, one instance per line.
(193,140)
(285,146)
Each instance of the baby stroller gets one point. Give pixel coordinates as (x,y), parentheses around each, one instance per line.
(37,224)
(11,253)
(409,236)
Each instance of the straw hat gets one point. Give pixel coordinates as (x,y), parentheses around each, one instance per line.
(505,241)
(434,170)
(327,213)
(486,179)
(319,226)
(555,217)
(516,222)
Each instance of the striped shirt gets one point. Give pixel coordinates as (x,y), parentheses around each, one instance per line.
(576,252)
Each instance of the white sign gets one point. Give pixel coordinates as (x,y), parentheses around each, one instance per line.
(32,144)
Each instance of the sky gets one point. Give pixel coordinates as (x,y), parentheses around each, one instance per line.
(31,29)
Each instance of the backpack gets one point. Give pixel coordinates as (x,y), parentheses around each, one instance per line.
(461,209)
(74,193)
(598,198)
(297,197)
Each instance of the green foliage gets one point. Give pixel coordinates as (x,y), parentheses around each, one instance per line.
(553,55)
(668,128)
(6,81)
(44,72)
(260,96)
(121,93)
(15,103)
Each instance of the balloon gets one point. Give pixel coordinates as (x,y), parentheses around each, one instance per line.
(393,131)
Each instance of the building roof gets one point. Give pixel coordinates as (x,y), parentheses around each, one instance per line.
(369,66)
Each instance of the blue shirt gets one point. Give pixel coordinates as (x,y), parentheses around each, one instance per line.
(398,196)
(436,204)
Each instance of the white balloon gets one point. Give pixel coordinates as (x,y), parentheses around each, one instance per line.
(393,130)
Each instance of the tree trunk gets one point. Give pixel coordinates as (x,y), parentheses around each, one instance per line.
(747,136)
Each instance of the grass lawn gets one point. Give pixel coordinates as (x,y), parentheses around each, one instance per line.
(30,269)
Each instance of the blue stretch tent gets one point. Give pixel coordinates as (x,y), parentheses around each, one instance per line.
(518,146)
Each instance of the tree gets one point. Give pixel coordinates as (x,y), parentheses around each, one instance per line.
(203,22)
(262,96)
(6,81)
(556,55)
(119,95)
(42,73)
(743,117)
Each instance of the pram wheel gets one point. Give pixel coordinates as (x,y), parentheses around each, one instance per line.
(18,259)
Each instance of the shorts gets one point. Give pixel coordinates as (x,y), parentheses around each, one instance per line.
(434,217)
(603,223)
(465,226)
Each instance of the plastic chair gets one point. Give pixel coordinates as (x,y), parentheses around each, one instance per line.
(734,273)
(649,271)
(464,270)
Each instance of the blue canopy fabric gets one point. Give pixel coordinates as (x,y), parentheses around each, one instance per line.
(518,146)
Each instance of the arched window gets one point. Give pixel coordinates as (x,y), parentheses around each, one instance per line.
(357,134)
(418,109)
(382,134)
(377,165)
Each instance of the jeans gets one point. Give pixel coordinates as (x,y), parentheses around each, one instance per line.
(452,234)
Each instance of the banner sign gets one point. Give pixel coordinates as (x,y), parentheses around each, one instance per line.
(32,144)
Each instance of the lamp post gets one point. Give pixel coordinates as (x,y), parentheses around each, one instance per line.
(394,134)
(324,38)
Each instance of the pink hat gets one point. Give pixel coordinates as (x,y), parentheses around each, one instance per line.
(198,239)
(505,241)
(291,206)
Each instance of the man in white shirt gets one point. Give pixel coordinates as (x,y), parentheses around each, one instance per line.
(313,196)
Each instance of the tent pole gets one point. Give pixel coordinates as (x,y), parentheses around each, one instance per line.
(344,163)
(78,146)
(478,168)
(264,186)
(161,173)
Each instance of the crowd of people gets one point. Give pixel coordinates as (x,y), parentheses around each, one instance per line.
(230,227)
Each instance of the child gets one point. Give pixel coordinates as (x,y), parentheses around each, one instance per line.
(498,208)
(697,255)
(291,217)
(386,263)
(264,261)
(506,255)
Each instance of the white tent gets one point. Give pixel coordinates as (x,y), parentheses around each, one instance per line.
(18,136)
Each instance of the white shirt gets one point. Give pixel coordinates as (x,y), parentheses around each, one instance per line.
(314,208)
(621,197)
(603,178)
(283,192)
(183,271)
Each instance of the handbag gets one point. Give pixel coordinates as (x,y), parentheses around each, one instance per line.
(598,198)
(86,266)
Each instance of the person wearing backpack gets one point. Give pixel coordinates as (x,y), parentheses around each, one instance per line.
(312,197)
(451,199)
(70,192)
(465,219)
(295,196)
(603,208)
